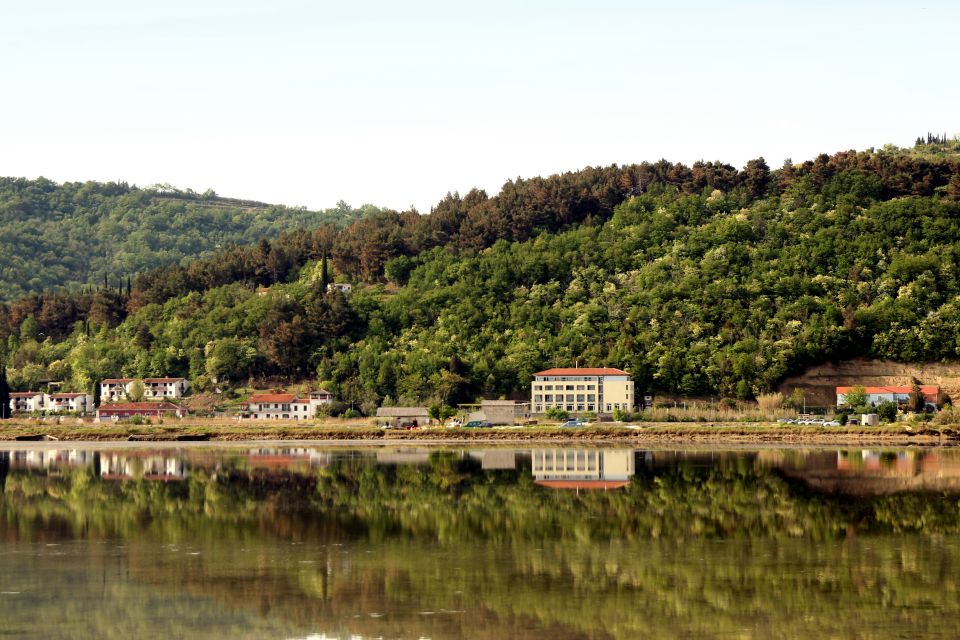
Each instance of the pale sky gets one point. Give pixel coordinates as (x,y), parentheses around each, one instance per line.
(396,103)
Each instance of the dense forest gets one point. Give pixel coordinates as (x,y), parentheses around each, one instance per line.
(698,280)
(68,235)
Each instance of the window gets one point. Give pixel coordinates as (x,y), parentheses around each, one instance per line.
(580,387)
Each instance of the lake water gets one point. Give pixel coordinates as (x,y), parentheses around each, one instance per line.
(545,543)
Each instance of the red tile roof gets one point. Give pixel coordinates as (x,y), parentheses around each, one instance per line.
(263,398)
(140,406)
(583,371)
(66,396)
(24,394)
(116,381)
(162,380)
(927,390)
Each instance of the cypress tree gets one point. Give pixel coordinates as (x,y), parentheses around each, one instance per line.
(4,394)
(324,275)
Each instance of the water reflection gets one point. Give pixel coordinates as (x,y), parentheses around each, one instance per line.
(479,543)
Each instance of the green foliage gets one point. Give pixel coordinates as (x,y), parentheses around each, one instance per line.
(555,413)
(856,397)
(74,234)
(887,411)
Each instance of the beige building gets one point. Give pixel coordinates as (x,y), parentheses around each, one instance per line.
(601,390)
(582,468)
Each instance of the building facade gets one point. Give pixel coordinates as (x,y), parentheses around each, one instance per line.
(115,389)
(69,403)
(601,390)
(126,410)
(165,387)
(27,401)
(897,394)
(279,406)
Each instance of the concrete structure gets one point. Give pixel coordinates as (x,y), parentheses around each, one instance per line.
(127,410)
(27,401)
(582,468)
(897,394)
(69,403)
(115,389)
(279,406)
(869,419)
(165,387)
(342,287)
(501,412)
(602,390)
(403,416)
(321,396)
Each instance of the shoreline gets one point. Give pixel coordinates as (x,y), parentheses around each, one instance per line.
(662,434)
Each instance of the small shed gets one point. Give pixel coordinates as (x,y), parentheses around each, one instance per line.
(403,416)
(501,411)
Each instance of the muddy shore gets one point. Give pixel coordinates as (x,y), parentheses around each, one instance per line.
(669,433)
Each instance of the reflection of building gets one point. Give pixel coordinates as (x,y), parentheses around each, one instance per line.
(582,468)
(152,466)
(496,459)
(601,390)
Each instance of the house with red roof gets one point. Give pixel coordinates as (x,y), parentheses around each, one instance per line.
(114,389)
(601,390)
(79,403)
(27,401)
(126,410)
(279,406)
(899,395)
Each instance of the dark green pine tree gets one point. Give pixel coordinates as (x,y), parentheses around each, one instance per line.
(324,275)
(4,394)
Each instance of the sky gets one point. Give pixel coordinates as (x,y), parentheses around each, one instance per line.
(396,103)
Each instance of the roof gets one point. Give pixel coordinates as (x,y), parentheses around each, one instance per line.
(163,379)
(401,412)
(502,403)
(582,484)
(140,406)
(583,371)
(927,390)
(321,391)
(25,394)
(67,395)
(262,398)
(116,380)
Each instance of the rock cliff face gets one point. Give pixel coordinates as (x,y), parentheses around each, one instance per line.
(820,382)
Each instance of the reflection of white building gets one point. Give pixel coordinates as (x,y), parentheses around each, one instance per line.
(582,468)
(115,466)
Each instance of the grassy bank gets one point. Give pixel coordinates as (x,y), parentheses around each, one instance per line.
(360,431)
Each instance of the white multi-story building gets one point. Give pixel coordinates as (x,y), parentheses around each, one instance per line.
(27,401)
(582,389)
(165,387)
(69,403)
(280,406)
(115,389)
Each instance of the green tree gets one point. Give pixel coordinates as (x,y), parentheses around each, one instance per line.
(136,391)
(887,411)
(856,396)
(5,410)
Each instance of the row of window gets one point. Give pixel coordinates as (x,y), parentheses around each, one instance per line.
(564,387)
(570,397)
(610,406)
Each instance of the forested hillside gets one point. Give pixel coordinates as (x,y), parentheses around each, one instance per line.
(702,279)
(54,236)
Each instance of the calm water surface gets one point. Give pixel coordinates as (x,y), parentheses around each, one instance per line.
(471,543)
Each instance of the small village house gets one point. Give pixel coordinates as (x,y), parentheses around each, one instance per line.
(403,416)
(27,401)
(900,395)
(165,387)
(501,412)
(602,390)
(126,410)
(79,403)
(279,406)
(114,389)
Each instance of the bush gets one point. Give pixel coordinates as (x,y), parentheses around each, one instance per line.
(770,402)
(842,418)
(350,413)
(887,411)
(557,414)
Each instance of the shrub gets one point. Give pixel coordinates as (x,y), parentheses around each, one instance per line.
(555,413)
(887,411)
(770,402)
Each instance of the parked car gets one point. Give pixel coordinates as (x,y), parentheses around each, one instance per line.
(478,424)
(575,422)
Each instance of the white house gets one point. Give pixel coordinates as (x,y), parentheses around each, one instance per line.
(27,401)
(70,402)
(279,406)
(115,389)
(165,387)
(896,394)
(321,396)
(342,287)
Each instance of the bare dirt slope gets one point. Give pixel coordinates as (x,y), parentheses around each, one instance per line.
(820,382)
